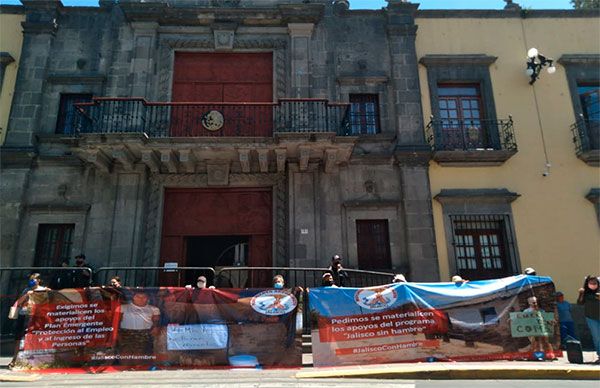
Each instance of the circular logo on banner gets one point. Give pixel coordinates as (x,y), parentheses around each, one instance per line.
(273,302)
(376,298)
(213,120)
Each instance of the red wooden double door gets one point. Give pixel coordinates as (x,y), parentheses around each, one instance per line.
(240,214)
(217,80)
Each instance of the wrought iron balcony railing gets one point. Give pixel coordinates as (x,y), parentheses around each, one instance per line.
(471,134)
(183,119)
(586,135)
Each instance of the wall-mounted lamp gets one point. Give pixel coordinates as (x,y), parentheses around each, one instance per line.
(535,64)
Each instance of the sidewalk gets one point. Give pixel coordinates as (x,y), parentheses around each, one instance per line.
(496,370)
(560,369)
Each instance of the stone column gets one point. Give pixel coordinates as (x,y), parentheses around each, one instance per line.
(300,35)
(418,220)
(39,30)
(401,30)
(303,219)
(142,63)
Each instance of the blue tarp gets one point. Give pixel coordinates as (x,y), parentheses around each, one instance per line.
(332,301)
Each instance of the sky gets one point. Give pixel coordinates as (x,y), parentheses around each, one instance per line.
(425,4)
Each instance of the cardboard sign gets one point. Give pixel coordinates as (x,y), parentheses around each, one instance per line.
(532,324)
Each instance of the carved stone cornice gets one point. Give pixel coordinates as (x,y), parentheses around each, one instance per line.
(452,60)
(76,79)
(480,195)
(6,58)
(413,155)
(580,60)
(58,207)
(279,15)
(362,80)
(48,27)
(209,43)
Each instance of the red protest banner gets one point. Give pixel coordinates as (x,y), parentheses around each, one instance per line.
(130,328)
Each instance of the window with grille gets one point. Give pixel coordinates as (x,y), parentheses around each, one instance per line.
(461,115)
(364,114)
(589,95)
(54,243)
(66,111)
(483,246)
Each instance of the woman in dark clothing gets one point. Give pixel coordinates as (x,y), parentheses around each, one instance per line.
(589,297)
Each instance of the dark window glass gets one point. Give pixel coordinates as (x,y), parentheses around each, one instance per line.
(481,246)
(53,244)
(461,115)
(66,111)
(590,101)
(364,114)
(373,244)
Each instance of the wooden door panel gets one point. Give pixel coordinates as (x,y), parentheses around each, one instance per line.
(218,212)
(373,244)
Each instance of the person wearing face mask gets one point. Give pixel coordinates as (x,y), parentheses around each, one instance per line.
(200,283)
(327,280)
(278,282)
(589,297)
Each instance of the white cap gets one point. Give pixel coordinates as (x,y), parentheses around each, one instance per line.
(457,278)
(399,278)
(529,271)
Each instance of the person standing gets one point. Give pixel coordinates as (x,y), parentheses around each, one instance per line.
(83,278)
(340,276)
(539,342)
(24,307)
(589,297)
(65,278)
(567,325)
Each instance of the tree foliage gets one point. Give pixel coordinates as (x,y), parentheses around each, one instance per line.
(583,4)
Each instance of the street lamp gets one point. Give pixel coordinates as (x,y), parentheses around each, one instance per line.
(535,64)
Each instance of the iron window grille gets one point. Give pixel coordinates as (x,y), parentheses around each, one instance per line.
(484,245)
(54,244)
(586,130)
(65,121)
(364,114)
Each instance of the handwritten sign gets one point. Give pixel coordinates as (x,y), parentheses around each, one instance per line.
(532,324)
(196,337)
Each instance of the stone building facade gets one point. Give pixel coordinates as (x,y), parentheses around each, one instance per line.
(330,158)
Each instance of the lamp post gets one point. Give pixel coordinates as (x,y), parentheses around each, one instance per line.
(536,62)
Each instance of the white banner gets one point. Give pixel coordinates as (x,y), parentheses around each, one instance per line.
(196,337)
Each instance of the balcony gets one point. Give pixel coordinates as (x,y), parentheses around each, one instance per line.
(470,143)
(586,136)
(176,119)
(211,138)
